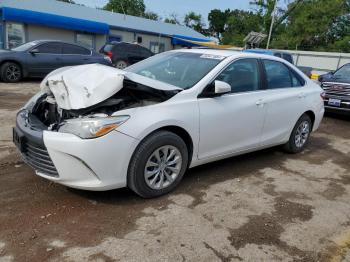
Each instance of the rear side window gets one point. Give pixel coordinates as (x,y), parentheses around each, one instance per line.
(74,50)
(50,48)
(278,55)
(242,75)
(278,75)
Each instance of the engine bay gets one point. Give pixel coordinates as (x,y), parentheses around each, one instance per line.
(130,96)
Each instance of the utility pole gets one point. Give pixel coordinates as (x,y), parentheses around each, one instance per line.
(272,22)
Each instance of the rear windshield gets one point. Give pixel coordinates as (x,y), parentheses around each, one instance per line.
(107,48)
(181,69)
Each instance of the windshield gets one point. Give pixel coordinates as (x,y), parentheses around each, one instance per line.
(343,73)
(24,47)
(181,69)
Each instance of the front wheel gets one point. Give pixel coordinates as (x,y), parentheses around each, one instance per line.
(158,164)
(300,135)
(11,72)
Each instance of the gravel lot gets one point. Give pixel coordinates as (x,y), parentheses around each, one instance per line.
(265,206)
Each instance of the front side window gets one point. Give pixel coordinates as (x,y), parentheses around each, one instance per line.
(181,69)
(15,35)
(74,50)
(242,75)
(85,40)
(50,48)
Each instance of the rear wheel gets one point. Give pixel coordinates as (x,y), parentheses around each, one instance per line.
(300,135)
(11,72)
(158,164)
(121,64)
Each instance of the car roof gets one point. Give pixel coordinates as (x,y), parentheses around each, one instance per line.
(229,53)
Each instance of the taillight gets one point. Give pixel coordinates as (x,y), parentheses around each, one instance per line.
(323,95)
(109,54)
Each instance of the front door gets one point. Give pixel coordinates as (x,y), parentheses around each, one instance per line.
(46,59)
(233,122)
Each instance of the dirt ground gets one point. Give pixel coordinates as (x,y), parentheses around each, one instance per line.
(265,206)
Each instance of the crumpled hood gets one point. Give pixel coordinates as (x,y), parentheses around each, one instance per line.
(82,86)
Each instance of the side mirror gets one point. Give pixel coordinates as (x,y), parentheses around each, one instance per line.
(221,87)
(34,51)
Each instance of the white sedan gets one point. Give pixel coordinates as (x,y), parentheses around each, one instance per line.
(98,128)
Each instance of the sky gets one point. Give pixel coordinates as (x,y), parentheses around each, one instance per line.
(180,7)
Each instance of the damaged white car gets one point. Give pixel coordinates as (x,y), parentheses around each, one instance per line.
(98,128)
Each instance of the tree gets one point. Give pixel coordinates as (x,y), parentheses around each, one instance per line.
(151,15)
(239,24)
(310,27)
(172,19)
(128,7)
(194,21)
(218,22)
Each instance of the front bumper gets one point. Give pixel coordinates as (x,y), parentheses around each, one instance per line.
(91,164)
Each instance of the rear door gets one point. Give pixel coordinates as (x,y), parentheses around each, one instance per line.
(47,59)
(233,122)
(284,99)
(75,55)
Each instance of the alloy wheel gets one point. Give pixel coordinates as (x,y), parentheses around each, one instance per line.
(13,73)
(163,167)
(302,134)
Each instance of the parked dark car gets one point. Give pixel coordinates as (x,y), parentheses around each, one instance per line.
(38,58)
(124,54)
(284,55)
(337,88)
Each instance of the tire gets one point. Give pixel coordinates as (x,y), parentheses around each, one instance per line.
(143,165)
(300,135)
(11,72)
(121,64)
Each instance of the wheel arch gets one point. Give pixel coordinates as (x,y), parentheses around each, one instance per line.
(312,116)
(182,133)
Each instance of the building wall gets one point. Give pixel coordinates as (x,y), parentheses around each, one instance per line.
(35,32)
(320,61)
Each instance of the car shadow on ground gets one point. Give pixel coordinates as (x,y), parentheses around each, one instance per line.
(196,180)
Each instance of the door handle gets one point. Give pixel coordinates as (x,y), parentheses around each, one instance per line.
(260,102)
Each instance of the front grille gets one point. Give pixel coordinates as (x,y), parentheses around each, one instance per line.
(37,157)
(335,90)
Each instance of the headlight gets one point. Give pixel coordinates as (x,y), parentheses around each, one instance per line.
(92,127)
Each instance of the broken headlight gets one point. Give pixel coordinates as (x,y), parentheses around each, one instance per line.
(92,127)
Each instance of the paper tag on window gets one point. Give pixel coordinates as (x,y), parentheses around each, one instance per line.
(208,56)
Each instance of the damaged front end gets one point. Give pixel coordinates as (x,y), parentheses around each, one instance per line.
(84,101)
(92,92)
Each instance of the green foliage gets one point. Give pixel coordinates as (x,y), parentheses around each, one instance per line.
(129,7)
(322,25)
(151,15)
(194,21)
